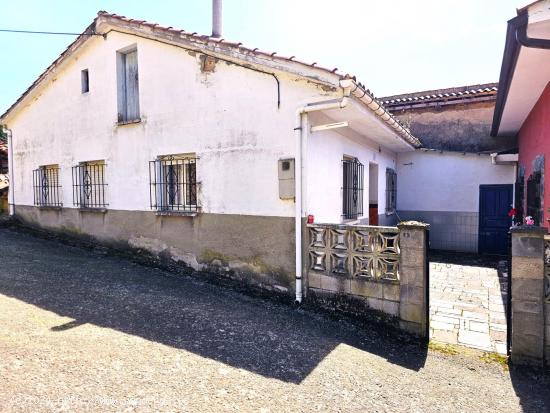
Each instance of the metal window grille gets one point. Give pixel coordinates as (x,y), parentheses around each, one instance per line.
(89,187)
(352,189)
(173,184)
(391,190)
(534,197)
(46,186)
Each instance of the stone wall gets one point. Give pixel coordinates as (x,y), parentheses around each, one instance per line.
(367,268)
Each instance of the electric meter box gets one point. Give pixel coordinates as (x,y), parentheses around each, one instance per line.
(287,182)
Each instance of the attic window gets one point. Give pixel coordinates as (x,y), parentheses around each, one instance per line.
(85,81)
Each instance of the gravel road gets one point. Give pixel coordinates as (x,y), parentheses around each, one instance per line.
(84,331)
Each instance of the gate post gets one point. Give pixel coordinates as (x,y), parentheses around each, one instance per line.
(527,301)
(414,277)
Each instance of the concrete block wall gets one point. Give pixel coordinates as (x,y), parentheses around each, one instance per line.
(528,307)
(405,299)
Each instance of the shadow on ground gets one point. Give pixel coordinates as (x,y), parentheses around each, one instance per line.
(266,338)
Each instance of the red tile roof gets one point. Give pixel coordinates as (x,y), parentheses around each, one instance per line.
(441,97)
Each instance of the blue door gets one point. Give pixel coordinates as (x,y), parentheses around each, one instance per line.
(495,202)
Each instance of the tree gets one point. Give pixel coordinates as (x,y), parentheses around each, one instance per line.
(3,135)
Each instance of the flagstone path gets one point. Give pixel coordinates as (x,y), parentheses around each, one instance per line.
(467,304)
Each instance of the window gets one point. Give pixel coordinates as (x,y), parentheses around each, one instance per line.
(391,191)
(47,189)
(89,185)
(534,197)
(127,86)
(85,81)
(352,188)
(173,183)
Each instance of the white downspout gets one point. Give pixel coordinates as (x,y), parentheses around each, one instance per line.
(299,166)
(11,175)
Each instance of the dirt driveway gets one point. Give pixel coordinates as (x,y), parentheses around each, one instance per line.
(81,331)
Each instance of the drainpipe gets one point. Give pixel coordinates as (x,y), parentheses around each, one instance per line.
(11,175)
(300,170)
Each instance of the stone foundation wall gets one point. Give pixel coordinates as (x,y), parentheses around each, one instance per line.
(255,250)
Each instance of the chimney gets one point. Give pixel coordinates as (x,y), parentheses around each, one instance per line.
(217,18)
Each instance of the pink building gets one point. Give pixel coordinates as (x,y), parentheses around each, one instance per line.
(523,106)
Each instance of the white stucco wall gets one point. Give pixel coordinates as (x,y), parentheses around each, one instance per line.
(326,151)
(434,181)
(229,118)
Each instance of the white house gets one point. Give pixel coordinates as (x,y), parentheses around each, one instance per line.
(462,181)
(198,150)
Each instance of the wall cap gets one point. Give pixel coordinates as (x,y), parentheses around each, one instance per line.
(413,224)
(529,229)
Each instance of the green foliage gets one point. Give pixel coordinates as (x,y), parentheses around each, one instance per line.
(3,134)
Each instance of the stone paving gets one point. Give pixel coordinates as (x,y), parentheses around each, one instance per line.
(467,304)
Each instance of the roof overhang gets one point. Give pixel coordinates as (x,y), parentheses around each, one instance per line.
(524,73)
(363,125)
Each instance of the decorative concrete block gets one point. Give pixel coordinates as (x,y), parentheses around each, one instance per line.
(391,292)
(528,267)
(366,288)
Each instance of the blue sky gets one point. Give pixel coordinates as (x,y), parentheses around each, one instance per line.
(392,46)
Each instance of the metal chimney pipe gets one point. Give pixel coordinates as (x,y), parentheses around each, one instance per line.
(217,18)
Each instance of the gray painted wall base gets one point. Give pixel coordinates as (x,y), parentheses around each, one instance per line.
(449,230)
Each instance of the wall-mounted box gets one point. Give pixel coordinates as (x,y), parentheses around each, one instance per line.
(287,183)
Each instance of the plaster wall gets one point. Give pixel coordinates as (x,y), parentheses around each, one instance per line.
(443,190)
(461,127)
(326,150)
(228,118)
(534,147)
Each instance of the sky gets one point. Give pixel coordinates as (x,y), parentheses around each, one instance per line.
(392,46)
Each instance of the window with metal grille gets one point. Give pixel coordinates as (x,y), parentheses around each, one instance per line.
(47,189)
(173,183)
(391,191)
(534,197)
(89,187)
(352,188)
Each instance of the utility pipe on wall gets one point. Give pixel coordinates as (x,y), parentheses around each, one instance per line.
(300,170)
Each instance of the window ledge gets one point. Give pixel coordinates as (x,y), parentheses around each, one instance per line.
(129,122)
(177,213)
(50,207)
(96,210)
